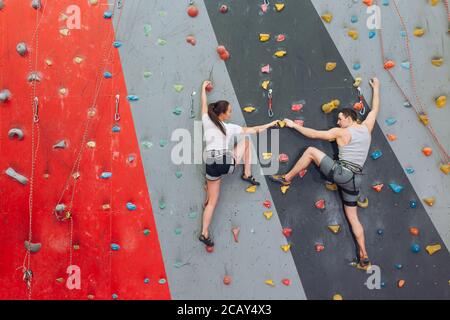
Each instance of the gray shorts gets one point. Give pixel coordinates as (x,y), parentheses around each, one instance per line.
(348,181)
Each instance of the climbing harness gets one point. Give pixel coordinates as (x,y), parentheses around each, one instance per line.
(353,167)
(420,110)
(117,114)
(270,99)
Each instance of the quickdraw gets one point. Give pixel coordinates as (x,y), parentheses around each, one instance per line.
(117,114)
(270,99)
(192,112)
(36,110)
(359,106)
(265,6)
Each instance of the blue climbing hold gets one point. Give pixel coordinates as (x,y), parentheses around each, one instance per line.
(390,121)
(132,98)
(146,280)
(412,204)
(409,170)
(106,175)
(415,248)
(383,284)
(372,34)
(107,75)
(385,2)
(403,33)
(398,266)
(131,206)
(405,65)
(396,187)
(380,232)
(107,15)
(354,19)
(162,281)
(376,154)
(116,129)
(117,44)
(115,247)
(115,296)
(356,66)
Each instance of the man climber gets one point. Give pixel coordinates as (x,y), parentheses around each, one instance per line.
(353,141)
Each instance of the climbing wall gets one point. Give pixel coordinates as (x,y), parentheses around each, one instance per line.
(119,84)
(87,160)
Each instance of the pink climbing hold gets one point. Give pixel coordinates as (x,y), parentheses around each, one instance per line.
(286,282)
(223,8)
(209,249)
(191,40)
(283,158)
(264,7)
(319,247)
(320,204)
(227,280)
(265,69)
(280,38)
(235,231)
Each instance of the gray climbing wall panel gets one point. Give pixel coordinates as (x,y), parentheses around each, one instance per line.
(154,36)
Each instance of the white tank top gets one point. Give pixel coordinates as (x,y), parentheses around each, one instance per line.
(215,139)
(358,148)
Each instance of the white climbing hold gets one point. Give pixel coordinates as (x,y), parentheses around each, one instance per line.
(60,145)
(21,48)
(32,247)
(5,95)
(16,176)
(34,76)
(15,132)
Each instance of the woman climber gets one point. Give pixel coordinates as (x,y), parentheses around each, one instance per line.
(220,160)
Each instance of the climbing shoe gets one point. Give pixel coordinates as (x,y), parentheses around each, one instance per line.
(207,241)
(364,264)
(250,180)
(280,179)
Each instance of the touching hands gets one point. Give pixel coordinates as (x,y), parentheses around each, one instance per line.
(289,123)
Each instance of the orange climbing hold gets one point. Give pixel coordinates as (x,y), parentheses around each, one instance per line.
(389,64)
(330,66)
(427,151)
(430,201)
(378,187)
(368,2)
(192,11)
(401,283)
(358,106)
(414,231)
(391,137)
(209,249)
(227,280)
(352,33)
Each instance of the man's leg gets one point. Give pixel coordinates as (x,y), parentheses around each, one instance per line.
(311,154)
(357,229)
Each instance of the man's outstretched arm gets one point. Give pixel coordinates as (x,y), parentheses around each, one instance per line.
(312,133)
(372,116)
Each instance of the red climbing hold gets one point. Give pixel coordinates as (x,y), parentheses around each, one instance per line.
(267,204)
(221,49)
(192,11)
(235,231)
(209,249)
(368,2)
(209,87)
(302,173)
(389,64)
(283,158)
(191,40)
(319,247)
(320,204)
(227,280)
(287,232)
(378,187)
(297,107)
(223,8)
(225,56)
(286,282)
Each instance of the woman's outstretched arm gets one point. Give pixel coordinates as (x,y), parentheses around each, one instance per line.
(257,129)
(204,99)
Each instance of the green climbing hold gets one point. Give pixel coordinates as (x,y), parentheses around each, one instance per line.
(147,74)
(147,144)
(178,264)
(147,30)
(162,13)
(162,42)
(178,174)
(162,143)
(192,215)
(146,232)
(162,281)
(178,87)
(177,111)
(177,231)
(162,204)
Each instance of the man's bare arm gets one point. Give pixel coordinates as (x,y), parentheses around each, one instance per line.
(372,116)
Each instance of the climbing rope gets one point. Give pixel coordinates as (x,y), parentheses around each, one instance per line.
(420,109)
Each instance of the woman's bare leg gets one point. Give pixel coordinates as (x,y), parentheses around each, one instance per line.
(243,152)
(213,188)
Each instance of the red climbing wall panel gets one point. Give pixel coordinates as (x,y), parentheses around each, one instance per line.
(65,93)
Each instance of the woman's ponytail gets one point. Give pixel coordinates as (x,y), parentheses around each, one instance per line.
(214,110)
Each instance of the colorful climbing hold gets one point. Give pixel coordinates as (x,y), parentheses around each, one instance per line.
(286,247)
(283,158)
(280,53)
(106,175)
(297,107)
(270,282)
(409,170)
(320,204)
(265,69)
(418,32)
(107,14)
(117,44)
(396,187)
(430,201)
(32,247)
(330,106)
(286,282)
(427,151)
(280,38)
(330,66)
(235,231)
(284,189)
(327,17)
(441,101)
(251,189)
(334,228)
(390,121)
(437,62)
(445,168)
(398,266)
(433,248)
(279,6)
(132,98)
(391,137)
(192,11)
(352,33)
(249,109)
(264,37)
(191,40)
(376,154)
(372,34)
(378,187)
(115,247)
(146,232)
(356,66)
(287,232)
(319,247)
(265,84)
(227,280)
(414,231)
(131,206)
(401,283)
(389,64)
(415,247)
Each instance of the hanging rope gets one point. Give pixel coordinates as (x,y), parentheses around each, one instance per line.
(419,109)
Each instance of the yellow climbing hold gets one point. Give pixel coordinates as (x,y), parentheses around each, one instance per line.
(265,84)
(327,17)
(352,33)
(441,101)
(418,32)
(267,155)
(337,297)
(330,106)
(330,66)
(331,186)
(48,62)
(335,228)
(430,201)
(279,6)
(263,37)
(434,2)
(78,59)
(284,189)
(270,282)
(280,53)
(433,248)
(437,62)
(286,247)
(357,82)
(249,109)
(281,123)
(445,168)
(268,214)
(424,119)
(251,189)
(364,203)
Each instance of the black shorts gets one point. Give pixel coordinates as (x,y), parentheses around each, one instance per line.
(219,164)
